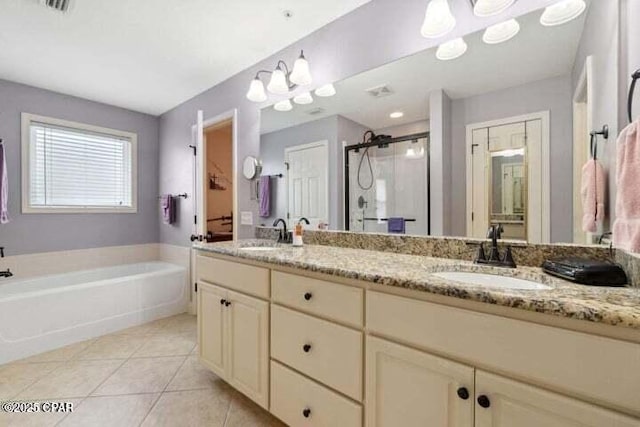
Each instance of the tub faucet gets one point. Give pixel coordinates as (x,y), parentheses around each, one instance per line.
(7,272)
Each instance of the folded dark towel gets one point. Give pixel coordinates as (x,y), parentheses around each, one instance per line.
(169,208)
(396,225)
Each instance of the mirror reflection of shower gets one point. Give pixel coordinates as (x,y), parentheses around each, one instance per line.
(387,189)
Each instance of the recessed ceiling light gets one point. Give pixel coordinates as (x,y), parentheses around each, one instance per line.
(501,32)
(303,99)
(438,19)
(396,114)
(484,8)
(326,90)
(562,12)
(451,50)
(283,105)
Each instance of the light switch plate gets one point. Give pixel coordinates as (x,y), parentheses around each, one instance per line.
(246,218)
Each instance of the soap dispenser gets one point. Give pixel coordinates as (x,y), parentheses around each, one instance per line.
(297,232)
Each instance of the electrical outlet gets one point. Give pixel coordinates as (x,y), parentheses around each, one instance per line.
(246,218)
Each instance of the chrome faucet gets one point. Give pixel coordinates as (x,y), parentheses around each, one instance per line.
(495,259)
(6,273)
(283,235)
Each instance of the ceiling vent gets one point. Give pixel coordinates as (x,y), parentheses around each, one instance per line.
(59,5)
(379,91)
(316,111)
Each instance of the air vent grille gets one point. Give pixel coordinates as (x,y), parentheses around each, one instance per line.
(379,91)
(59,5)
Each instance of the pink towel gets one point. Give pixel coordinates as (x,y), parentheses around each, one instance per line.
(626,229)
(592,191)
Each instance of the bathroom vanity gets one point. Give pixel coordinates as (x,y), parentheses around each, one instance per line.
(330,336)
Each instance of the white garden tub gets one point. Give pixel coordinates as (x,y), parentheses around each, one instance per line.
(48,312)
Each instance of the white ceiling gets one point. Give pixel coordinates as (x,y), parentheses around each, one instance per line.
(536,53)
(149,55)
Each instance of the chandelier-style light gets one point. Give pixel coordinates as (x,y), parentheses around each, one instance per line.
(438,19)
(282,80)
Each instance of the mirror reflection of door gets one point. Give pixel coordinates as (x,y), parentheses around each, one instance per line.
(308,183)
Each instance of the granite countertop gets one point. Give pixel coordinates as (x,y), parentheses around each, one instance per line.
(612,306)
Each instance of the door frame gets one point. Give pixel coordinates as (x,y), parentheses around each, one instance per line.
(287,150)
(545,162)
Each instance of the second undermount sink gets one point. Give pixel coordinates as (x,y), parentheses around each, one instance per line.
(491,280)
(258,248)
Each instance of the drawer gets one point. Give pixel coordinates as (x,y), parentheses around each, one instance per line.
(331,300)
(294,396)
(334,356)
(241,277)
(598,369)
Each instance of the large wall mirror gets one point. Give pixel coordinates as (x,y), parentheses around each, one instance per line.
(441,144)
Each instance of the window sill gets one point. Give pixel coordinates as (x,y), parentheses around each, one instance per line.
(77,210)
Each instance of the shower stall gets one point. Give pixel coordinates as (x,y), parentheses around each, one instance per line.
(388,178)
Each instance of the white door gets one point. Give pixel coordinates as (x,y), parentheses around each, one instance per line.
(308,182)
(501,402)
(212,327)
(248,346)
(410,388)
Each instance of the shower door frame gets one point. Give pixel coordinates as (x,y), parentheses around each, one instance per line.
(381,144)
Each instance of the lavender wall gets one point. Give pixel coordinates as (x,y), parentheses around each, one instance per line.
(30,233)
(551,94)
(374,34)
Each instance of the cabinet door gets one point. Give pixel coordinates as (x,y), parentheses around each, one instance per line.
(212,327)
(407,387)
(501,402)
(248,335)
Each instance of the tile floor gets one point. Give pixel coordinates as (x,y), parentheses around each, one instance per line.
(148,375)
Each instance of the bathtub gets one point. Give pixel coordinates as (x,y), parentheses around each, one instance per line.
(47,312)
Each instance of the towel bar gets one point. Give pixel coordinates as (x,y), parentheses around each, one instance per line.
(182,196)
(634,77)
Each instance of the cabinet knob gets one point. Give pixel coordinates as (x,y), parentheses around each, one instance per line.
(306,348)
(306,412)
(308,296)
(222,301)
(484,401)
(463,393)
(227,303)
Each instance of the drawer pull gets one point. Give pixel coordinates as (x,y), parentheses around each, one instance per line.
(484,401)
(463,393)
(308,296)
(306,412)
(306,348)
(222,301)
(227,303)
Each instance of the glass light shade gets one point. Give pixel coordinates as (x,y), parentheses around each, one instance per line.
(562,12)
(303,99)
(451,50)
(283,105)
(501,32)
(301,74)
(484,8)
(438,19)
(278,83)
(326,90)
(256,91)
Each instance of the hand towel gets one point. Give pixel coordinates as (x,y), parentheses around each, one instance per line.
(396,225)
(4,188)
(168,209)
(265,196)
(592,191)
(626,228)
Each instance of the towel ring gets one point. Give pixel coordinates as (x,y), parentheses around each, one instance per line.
(594,140)
(634,77)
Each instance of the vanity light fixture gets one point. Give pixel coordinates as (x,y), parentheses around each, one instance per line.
(451,50)
(484,8)
(438,19)
(326,90)
(396,114)
(303,99)
(282,80)
(283,105)
(562,12)
(500,33)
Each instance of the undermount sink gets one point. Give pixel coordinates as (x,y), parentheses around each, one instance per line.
(258,248)
(491,280)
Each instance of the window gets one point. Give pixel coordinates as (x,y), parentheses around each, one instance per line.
(72,167)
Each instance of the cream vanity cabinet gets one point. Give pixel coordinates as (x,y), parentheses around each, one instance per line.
(233,327)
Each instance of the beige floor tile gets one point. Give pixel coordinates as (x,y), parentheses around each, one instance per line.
(112,347)
(116,411)
(74,379)
(167,345)
(59,355)
(39,419)
(180,324)
(245,413)
(145,375)
(16,377)
(193,375)
(195,408)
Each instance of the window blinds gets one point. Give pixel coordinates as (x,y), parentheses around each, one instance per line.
(77,168)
